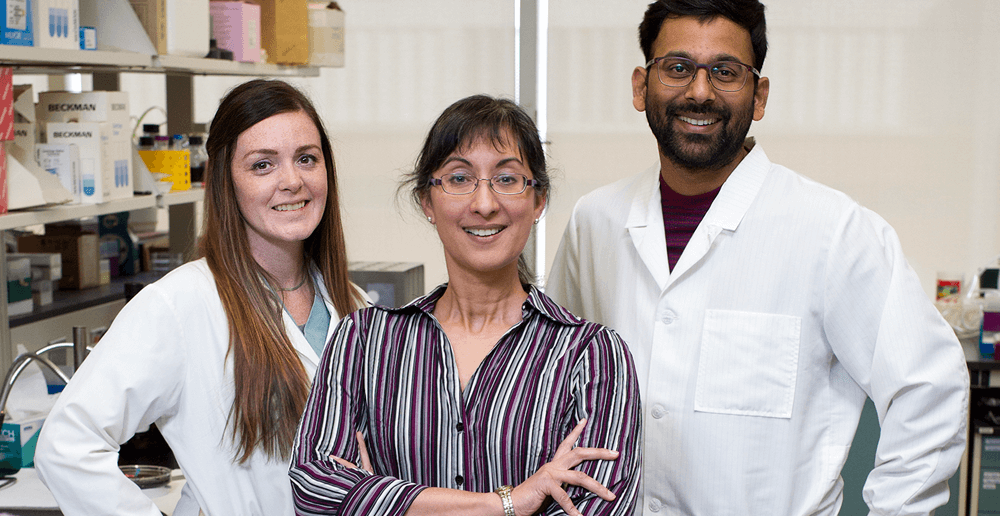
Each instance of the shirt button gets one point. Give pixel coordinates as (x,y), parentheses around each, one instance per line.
(658,412)
(655,505)
(459,479)
(460,427)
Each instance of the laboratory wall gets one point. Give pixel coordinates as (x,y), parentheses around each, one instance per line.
(892,102)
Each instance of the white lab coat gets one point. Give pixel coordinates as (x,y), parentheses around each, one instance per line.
(163,361)
(788,307)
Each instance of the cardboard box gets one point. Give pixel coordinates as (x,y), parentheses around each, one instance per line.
(17,443)
(18,279)
(63,161)
(113,228)
(236,27)
(25,129)
(175,27)
(284,30)
(6,104)
(88,38)
(326,35)
(89,106)
(79,256)
(57,23)
(16,27)
(105,160)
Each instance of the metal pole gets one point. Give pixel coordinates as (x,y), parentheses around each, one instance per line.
(81,341)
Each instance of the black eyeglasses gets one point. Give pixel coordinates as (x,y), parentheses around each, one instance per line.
(677,72)
(461,183)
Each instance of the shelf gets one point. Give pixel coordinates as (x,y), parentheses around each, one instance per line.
(59,61)
(41,59)
(66,301)
(50,214)
(182,197)
(200,66)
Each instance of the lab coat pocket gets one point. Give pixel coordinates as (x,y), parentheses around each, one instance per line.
(748,364)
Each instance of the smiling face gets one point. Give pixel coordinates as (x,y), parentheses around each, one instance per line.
(484,232)
(280,180)
(697,126)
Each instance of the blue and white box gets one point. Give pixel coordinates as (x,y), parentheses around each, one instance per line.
(88,38)
(16,27)
(62,161)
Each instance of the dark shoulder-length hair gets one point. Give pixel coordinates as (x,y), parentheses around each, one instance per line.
(270,381)
(467,121)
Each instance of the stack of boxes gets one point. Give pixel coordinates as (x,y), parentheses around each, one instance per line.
(97,122)
(45,272)
(78,250)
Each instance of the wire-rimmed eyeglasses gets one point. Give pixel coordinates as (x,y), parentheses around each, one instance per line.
(677,72)
(461,183)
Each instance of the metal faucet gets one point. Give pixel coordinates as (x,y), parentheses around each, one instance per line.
(81,345)
(15,370)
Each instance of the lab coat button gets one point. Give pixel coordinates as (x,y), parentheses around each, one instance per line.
(668,316)
(658,412)
(655,505)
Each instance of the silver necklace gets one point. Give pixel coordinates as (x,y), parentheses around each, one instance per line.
(296,287)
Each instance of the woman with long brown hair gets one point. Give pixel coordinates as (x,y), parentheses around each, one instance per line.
(219,353)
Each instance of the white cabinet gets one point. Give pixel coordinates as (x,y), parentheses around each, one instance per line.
(105,66)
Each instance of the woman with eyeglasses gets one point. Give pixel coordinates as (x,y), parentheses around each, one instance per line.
(484,396)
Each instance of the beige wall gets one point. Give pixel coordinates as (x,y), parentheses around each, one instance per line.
(892,102)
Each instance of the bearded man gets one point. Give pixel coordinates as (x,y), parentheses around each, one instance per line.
(761,308)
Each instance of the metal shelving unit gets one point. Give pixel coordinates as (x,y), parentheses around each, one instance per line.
(106,66)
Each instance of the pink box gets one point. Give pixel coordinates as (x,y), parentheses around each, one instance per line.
(6,104)
(236,27)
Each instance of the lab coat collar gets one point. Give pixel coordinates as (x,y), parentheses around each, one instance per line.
(292,330)
(645,218)
(537,302)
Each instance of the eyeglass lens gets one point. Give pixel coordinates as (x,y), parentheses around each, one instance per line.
(461,183)
(724,75)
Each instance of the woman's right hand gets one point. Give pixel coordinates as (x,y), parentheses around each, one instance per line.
(551,478)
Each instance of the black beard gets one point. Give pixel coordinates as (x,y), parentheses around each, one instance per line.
(700,151)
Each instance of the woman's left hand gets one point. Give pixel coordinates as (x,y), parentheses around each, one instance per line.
(366,463)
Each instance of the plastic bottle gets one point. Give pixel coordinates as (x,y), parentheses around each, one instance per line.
(161,142)
(146,143)
(178,142)
(198,158)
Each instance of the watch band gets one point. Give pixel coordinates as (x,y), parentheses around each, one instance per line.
(508,503)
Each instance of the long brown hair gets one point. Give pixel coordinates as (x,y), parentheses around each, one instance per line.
(271,385)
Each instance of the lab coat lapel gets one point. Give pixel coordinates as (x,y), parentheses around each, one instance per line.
(645,227)
(728,209)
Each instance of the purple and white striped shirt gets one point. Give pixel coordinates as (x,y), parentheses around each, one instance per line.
(391,374)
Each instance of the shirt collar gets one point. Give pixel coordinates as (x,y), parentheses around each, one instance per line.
(536,302)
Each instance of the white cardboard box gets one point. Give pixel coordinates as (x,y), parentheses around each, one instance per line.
(326,36)
(105,164)
(63,161)
(57,24)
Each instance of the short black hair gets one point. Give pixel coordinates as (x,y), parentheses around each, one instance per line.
(748,14)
